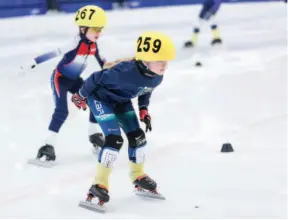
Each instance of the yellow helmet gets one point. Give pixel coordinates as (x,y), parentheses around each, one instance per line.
(154,46)
(90,16)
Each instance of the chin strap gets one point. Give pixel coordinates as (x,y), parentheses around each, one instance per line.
(83,35)
(85,30)
(144,70)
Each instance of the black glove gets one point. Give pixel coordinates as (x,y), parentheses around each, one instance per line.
(146,118)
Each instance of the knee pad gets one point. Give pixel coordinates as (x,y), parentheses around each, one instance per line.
(109,152)
(113,141)
(136,138)
(137,142)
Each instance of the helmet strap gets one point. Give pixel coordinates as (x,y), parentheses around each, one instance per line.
(144,69)
(85,30)
(83,34)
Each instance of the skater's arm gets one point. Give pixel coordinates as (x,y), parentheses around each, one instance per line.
(47,56)
(55,53)
(65,48)
(144,100)
(39,59)
(51,54)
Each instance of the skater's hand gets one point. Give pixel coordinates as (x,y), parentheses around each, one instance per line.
(28,66)
(79,101)
(146,118)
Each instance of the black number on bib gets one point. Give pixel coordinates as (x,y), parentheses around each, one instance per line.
(147,45)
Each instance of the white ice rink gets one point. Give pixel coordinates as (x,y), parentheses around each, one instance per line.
(239,96)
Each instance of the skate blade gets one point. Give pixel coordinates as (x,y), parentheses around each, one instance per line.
(150,195)
(41,163)
(217,46)
(92,207)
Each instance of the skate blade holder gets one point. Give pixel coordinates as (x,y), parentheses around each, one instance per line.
(41,163)
(92,206)
(149,194)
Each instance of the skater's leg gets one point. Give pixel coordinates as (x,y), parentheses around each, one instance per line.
(137,143)
(213,23)
(216,38)
(208,11)
(61,109)
(94,131)
(58,118)
(204,15)
(94,127)
(113,141)
(215,34)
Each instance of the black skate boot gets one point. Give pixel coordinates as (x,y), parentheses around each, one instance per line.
(188,44)
(145,182)
(99,192)
(50,157)
(145,186)
(47,151)
(97,139)
(216,41)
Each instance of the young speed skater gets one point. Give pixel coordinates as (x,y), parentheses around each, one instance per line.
(67,76)
(108,93)
(207,13)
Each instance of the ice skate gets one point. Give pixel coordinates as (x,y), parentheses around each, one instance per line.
(146,187)
(216,41)
(97,140)
(189,44)
(96,192)
(47,152)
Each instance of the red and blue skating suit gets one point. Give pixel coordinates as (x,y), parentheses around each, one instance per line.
(67,75)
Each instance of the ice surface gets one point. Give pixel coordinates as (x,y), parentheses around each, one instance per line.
(239,96)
